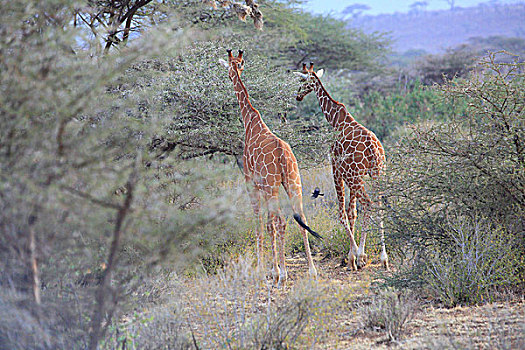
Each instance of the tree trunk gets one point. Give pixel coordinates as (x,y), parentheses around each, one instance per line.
(97,332)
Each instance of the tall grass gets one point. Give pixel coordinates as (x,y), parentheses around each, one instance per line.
(237,308)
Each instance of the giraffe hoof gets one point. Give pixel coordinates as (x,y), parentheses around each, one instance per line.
(313,272)
(276,274)
(283,276)
(361,261)
(352,265)
(384,260)
(352,261)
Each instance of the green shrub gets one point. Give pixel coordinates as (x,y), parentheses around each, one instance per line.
(385,111)
(456,191)
(479,261)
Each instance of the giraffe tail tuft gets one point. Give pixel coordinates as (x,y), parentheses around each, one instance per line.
(301,223)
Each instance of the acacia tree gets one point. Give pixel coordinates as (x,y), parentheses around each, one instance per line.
(111,22)
(331,44)
(197,96)
(197,93)
(452,4)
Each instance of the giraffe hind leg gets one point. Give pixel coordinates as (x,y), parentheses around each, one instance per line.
(352,217)
(274,226)
(270,227)
(295,194)
(281,230)
(255,199)
(343,219)
(383,257)
(366,204)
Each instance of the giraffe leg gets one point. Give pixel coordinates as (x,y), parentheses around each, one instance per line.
(311,266)
(340,191)
(281,230)
(352,217)
(294,191)
(366,203)
(383,257)
(255,198)
(271,228)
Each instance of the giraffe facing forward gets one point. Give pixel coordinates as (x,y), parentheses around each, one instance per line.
(356,152)
(268,163)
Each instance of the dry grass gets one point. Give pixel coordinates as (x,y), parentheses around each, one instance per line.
(389,311)
(240,309)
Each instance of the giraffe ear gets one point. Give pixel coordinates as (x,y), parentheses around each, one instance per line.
(223,63)
(302,75)
(320,73)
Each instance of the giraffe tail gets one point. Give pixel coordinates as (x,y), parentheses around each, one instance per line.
(301,223)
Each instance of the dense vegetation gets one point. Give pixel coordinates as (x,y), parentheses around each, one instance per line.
(119,139)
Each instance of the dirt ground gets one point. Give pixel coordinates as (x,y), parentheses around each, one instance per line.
(491,326)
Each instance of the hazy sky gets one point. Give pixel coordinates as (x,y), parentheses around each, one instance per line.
(387,6)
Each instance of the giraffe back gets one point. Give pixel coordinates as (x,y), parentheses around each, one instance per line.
(357,151)
(270,162)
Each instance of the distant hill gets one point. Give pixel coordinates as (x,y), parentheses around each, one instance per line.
(435,31)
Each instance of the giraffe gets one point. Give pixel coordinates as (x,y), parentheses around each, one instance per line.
(268,163)
(355,153)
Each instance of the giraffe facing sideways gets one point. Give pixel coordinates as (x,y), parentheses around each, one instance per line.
(268,163)
(356,152)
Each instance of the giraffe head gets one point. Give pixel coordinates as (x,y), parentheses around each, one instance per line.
(308,79)
(234,64)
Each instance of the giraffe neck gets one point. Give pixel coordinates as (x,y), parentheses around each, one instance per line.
(250,116)
(334,112)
